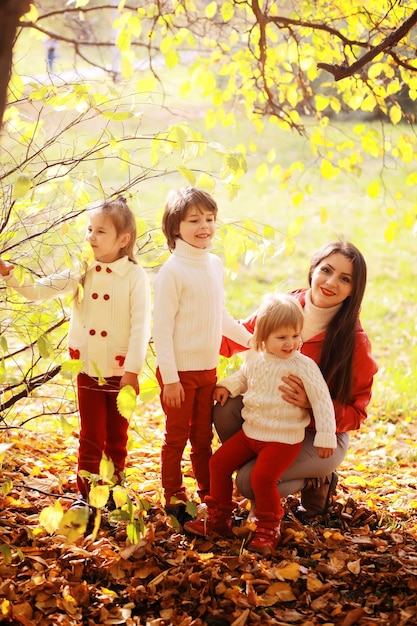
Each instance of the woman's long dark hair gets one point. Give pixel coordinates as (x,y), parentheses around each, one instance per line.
(336,361)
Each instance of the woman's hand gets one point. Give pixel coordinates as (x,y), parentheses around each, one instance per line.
(173,395)
(293,392)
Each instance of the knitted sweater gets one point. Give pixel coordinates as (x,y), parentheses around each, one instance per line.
(110,328)
(267,416)
(189,316)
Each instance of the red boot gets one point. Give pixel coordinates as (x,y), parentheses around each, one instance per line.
(217,520)
(267,534)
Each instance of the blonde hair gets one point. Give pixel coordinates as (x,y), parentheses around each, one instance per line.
(177,204)
(124,222)
(276,311)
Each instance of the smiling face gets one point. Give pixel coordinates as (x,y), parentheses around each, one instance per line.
(198,227)
(103,238)
(332,281)
(283,342)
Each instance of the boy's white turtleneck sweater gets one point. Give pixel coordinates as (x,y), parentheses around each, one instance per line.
(189,313)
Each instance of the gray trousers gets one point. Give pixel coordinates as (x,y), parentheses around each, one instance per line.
(228,419)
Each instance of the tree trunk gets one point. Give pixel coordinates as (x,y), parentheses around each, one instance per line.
(10,13)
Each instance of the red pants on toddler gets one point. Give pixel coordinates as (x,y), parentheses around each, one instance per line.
(272,459)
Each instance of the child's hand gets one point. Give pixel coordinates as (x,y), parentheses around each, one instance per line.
(324,453)
(5,268)
(129,378)
(173,395)
(220,394)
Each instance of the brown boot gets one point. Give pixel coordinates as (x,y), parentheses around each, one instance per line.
(218,519)
(317,495)
(267,534)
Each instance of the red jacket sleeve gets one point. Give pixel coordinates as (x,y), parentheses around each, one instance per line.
(351,416)
(228,347)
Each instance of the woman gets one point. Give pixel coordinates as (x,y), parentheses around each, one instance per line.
(333,337)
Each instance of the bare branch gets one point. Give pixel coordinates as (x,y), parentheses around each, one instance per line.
(342,71)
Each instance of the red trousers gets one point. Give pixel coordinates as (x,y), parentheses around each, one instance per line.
(103,428)
(272,459)
(193,423)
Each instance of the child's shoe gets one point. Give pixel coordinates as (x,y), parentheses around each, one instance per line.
(267,535)
(217,520)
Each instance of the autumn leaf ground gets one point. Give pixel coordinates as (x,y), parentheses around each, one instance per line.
(357,565)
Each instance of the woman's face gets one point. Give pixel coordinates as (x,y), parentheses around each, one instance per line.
(331,281)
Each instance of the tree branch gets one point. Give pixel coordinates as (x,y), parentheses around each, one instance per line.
(342,71)
(36,381)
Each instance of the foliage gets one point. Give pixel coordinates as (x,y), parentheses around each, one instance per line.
(357,565)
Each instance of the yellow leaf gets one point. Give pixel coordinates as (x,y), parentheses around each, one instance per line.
(291,571)
(322,102)
(50,517)
(277,592)
(71,368)
(391,232)
(395,114)
(146,85)
(31,15)
(106,470)
(354,567)
(171,59)
(373,189)
(261,172)
(44,346)
(409,220)
(324,216)
(294,227)
(187,173)
(313,583)
(99,495)
(118,116)
(211,10)
(355,480)
(297,198)
(126,401)
(205,181)
(327,170)
(22,186)
(227,11)
(289,246)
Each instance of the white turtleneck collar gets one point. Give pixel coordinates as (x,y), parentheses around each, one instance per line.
(187,251)
(316,320)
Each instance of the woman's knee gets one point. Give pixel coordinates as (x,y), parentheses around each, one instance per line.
(243,479)
(227,419)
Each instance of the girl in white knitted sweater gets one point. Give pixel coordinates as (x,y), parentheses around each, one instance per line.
(273,430)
